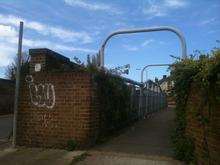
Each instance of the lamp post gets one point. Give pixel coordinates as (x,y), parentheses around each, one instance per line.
(17,85)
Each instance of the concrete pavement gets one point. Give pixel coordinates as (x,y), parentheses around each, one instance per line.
(145,143)
(148,137)
(112,158)
(38,156)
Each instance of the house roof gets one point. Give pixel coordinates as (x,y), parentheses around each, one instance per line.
(163,80)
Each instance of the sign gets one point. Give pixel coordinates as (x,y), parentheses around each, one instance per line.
(37,68)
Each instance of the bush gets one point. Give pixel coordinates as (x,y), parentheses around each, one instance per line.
(115,102)
(114,96)
(202,72)
(71,145)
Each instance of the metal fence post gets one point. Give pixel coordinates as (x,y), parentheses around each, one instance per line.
(140,101)
(158,99)
(146,109)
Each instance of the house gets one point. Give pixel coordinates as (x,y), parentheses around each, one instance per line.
(166,84)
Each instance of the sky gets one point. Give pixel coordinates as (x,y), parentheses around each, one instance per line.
(78,28)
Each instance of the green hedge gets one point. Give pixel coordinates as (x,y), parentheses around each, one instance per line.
(203,73)
(115,106)
(114,96)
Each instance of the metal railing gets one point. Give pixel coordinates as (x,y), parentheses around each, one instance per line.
(101,55)
(151,29)
(147,98)
(147,66)
(155,85)
(153,99)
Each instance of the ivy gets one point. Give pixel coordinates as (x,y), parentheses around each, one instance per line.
(115,102)
(203,73)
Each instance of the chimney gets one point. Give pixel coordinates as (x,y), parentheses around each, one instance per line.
(164,76)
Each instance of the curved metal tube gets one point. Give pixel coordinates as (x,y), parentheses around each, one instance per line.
(142,75)
(142,71)
(152,29)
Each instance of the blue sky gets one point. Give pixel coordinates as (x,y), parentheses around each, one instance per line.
(78,27)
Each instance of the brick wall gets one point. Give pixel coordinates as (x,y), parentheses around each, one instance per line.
(51,61)
(74,114)
(195,129)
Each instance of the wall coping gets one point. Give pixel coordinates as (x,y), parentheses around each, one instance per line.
(48,52)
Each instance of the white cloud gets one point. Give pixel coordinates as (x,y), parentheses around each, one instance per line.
(162,8)
(6,54)
(73,49)
(8,34)
(163,43)
(92,6)
(7,51)
(175,3)
(55,46)
(48,44)
(142,45)
(130,48)
(7,31)
(9,40)
(70,35)
(147,42)
(154,10)
(213,31)
(207,21)
(58,32)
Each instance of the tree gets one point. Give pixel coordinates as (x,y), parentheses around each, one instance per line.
(11,68)
(120,69)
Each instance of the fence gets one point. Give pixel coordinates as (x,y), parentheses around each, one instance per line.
(151,99)
(147,98)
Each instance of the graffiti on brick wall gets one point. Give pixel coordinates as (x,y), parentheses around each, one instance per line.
(41,95)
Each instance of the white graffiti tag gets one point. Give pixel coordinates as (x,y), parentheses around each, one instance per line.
(41,95)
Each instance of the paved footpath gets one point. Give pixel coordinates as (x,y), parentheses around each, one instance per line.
(147,142)
(38,156)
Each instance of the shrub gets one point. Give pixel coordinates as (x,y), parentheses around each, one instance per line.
(71,144)
(114,96)
(202,72)
(115,102)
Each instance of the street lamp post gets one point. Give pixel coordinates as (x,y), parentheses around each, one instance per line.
(17,85)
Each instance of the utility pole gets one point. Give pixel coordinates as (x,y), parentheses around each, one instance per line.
(17,85)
